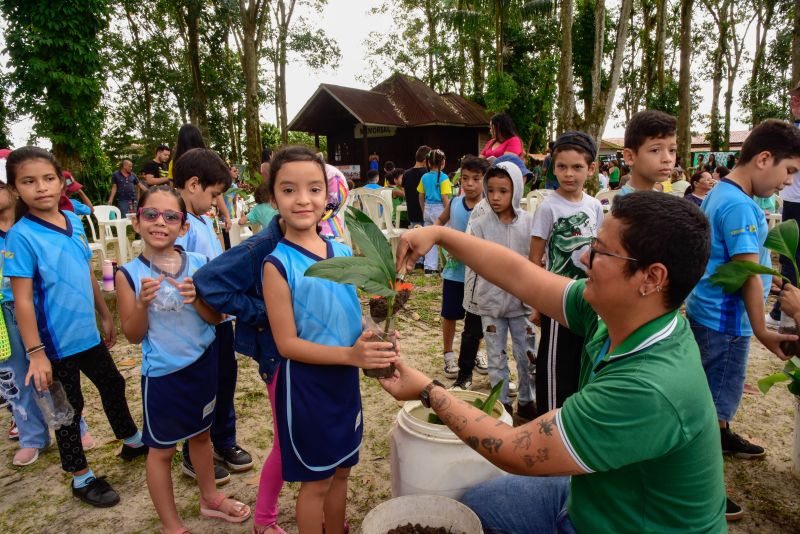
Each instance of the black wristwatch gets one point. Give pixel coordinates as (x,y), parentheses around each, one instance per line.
(425,394)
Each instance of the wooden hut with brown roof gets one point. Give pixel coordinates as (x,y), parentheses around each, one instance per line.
(392,119)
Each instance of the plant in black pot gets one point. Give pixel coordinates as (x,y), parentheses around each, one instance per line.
(374,272)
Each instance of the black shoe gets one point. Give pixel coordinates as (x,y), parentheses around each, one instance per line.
(430,272)
(526,411)
(236,458)
(464,384)
(221,475)
(97,493)
(733,512)
(739,447)
(509,408)
(129,453)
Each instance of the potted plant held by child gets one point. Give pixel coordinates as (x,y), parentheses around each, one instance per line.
(374,272)
(783,239)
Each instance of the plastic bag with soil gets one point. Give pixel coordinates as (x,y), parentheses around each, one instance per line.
(377,335)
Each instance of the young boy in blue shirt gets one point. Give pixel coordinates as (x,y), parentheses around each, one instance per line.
(456,215)
(723,323)
(201,176)
(650,150)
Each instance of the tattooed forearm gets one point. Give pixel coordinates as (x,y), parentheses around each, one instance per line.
(522,440)
(481,417)
(492,444)
(546,427)
(473,442)
(440,401)
(456,422)
(533,459)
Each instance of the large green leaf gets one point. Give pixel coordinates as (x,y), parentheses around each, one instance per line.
(783,239)
(371,241)
(768,381)
(731,276)
(362,272)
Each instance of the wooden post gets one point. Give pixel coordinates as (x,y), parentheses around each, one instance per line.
(365,150)
(316,141)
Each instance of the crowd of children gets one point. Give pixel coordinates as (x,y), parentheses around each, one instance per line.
(180,299)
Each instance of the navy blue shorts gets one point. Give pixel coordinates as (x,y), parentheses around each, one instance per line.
(452,300)
(180,405)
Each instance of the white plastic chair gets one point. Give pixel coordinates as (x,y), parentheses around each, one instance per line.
(534,199)
(377,208)
(606,197)
(103,213)
(94,244)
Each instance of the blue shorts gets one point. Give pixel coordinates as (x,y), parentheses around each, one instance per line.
(724,360)
(452,300)
(180,405)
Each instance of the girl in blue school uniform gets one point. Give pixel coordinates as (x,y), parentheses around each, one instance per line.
(55,298)
(179,357)
(318,332)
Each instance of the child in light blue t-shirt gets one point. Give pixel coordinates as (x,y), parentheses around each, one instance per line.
(434,191)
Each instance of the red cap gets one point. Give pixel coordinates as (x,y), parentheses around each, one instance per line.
(71,183)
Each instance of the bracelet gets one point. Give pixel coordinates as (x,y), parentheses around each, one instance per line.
(37,348)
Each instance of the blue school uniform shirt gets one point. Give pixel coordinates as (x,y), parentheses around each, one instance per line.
(459,217)
(738,226)
(201,237)
(57,259)
(79,207)
(432,186)
(325,312)
(174,339)
(5,285)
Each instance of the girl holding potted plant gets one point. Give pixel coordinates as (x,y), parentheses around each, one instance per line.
(318,384)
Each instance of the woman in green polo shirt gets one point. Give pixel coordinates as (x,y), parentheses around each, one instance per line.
(640,437)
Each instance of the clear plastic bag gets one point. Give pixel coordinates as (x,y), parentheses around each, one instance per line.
(378,335)
(168,297)
(55,407)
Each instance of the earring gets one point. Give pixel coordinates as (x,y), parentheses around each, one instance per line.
(658,289)
(643,293)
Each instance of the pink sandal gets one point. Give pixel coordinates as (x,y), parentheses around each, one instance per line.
(212,509)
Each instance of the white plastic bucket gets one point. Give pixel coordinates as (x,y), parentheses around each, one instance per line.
(430,459)
(427,510)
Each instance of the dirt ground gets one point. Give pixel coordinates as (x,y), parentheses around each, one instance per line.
(37,499)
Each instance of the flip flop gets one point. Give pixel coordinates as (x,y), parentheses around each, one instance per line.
(212,509)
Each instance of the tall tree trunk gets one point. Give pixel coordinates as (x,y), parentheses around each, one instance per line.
(566,91)
(733,60)
(716,86)
(648,49)
(146,92)
(432,41)
(764,11)
(199,105)
(596,124)
(252,17)
(477,67)
(597,55)
(796,45)
(236,155)
(498,35)
(684,84)
(661,41)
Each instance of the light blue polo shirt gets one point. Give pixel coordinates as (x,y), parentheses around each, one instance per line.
(5,285)
(57,259)
(174,339)
(738,226)
(201,237)
(459,217)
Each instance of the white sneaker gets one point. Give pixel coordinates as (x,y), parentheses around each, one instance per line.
(450,365)
(771,323)
(482,363)
(25,456)
(512,389)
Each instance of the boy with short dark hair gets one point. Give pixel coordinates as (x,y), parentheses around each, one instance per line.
(501,312)
(201,176)
(371,180)
(650,149)
(456,215)
(723,323)
(563,228)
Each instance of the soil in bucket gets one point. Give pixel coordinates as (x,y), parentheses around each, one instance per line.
(419,529)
